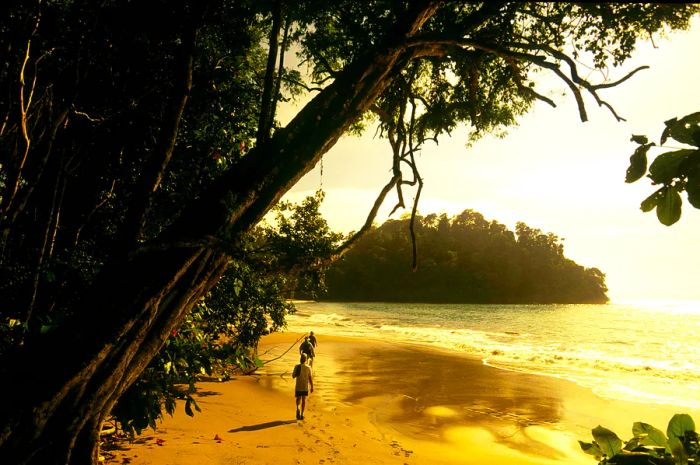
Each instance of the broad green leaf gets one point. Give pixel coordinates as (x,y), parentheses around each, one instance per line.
(648,435)
(666,166)
(686,129)
(678,450)
(607,441)
(167,366)
(632,444)
(680,424)
(638,163)
(591,448)
(668,209)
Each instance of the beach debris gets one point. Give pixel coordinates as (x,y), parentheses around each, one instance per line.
(218,438)
(398,449)
(160,442)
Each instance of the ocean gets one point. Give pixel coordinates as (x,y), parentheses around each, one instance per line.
(643,352)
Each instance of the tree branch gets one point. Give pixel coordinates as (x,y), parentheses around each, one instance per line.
(267,103)
(155,167)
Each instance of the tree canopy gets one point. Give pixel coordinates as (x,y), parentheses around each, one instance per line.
(139,148)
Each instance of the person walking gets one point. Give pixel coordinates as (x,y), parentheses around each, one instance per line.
(306,348)
(304,385)
(312,339)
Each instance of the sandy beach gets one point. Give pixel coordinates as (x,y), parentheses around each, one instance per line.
(382,403)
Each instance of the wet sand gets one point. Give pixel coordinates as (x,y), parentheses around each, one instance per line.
(384,403)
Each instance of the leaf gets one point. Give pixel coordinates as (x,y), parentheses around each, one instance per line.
(679,424)
(685,130)
(649,436)
(638,163)
(188,408)
(641,140)
(691,167)
(693,191)
(607,441)
(650,202)
(667,166)
(167,366)
(678,450)
(668,208)
(591,448)
(46,328)
(633,444)
(667,131)
(237,286)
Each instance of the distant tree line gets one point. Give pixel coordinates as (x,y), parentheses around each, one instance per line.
(465,258)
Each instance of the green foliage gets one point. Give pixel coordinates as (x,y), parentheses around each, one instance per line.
(115,131)
(302,243)
(677,171)
(648,444)
(220,335)
(462,259)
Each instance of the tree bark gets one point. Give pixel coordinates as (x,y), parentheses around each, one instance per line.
(60,385)
(268,97)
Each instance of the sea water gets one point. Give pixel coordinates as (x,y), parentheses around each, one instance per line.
(646,352)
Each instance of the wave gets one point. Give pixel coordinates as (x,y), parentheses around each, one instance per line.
(643,366)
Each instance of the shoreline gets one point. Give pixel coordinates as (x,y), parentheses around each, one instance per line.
(385,403)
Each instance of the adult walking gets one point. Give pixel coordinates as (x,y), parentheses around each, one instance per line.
(304,385)
(306,348)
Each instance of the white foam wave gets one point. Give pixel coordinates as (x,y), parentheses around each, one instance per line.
(616,368)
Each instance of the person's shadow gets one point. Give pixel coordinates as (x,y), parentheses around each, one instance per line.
(269,424)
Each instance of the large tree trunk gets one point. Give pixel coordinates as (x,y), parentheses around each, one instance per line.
(58,387)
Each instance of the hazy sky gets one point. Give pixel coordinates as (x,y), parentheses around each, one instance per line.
(555,173)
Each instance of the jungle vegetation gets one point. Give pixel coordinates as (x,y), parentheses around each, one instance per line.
(140,149)
(462,259)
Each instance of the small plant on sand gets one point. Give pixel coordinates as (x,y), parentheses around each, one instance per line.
(648,445)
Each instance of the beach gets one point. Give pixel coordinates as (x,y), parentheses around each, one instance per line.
(386,403)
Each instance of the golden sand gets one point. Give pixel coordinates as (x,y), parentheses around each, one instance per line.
(381,403)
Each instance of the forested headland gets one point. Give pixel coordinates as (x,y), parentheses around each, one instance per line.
(465,258)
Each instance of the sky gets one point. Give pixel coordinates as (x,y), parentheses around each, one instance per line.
(554,173)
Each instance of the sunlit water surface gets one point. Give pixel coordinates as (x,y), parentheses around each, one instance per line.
(644,352)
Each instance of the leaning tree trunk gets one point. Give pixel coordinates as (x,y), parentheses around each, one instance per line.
(58,387)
